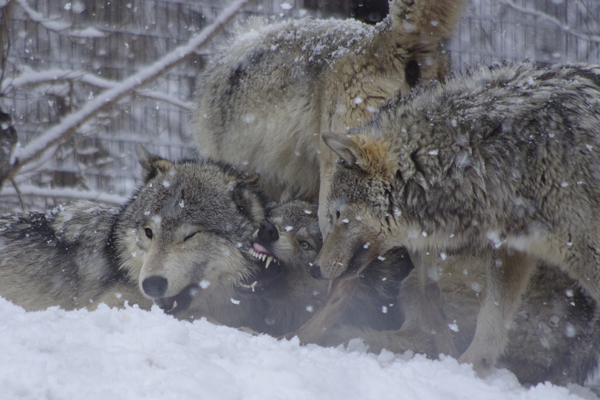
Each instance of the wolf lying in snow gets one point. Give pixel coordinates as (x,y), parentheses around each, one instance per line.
(181,241)
(270,93)
(501,165)
(289,241)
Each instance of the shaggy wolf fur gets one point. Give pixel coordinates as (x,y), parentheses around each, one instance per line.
(553,337)
(289,241)
(181,241)
(64,258)
(501,164)
(270,93)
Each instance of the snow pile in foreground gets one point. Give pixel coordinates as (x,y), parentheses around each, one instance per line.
(133,354)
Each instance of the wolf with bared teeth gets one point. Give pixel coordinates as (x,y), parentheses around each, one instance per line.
(288,241)
(180,242)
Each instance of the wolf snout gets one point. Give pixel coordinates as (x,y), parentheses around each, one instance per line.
(267,232)
(315,271)
(155,286)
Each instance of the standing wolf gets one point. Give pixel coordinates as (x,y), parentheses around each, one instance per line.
(272,91)
(181,241)
(553,338)
(501,164)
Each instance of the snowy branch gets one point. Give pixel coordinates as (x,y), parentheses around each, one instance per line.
(34,78)
(110,97)
(552,20)
(57,26)
(65,193)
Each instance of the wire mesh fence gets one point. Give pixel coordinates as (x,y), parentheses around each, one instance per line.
(64,54)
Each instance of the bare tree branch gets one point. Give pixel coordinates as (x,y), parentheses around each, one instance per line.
(110,97)
(35,78)
(58,26)
(552,20)
(34,191)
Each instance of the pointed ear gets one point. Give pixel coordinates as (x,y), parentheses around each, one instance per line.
(151,164)
(344,147)
(364,153)
(248,198)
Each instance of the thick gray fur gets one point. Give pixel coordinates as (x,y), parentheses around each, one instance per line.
(502,164)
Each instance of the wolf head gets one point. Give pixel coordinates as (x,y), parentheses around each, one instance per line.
(360,208)
(289,240)
(188,227)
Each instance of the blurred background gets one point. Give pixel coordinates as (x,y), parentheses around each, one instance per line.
(58,56)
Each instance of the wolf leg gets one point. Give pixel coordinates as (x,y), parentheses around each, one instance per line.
(507,277)
(340,293)
(431,302)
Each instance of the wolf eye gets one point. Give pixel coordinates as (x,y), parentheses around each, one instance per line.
(191,235)
(148,233)
(305,245)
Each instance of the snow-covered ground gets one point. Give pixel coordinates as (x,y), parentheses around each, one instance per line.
(133,354)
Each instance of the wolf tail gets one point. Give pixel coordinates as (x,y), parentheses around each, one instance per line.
(426,17)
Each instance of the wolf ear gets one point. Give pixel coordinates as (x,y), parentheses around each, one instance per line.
(151,164)
(248,198)
(345,148)
(365,153)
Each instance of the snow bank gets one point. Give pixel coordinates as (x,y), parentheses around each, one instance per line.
(133,354)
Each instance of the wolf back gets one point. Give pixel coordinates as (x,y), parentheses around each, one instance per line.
(64,258)
(270,92)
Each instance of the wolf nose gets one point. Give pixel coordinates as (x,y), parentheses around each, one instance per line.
(267,232)
(155,286)
(315,271)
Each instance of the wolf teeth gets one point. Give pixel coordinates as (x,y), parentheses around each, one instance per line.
(174,305)
(269,259)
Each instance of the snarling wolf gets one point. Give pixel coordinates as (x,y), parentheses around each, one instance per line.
(181,242)
(289,241)
(271,91)
(500,164)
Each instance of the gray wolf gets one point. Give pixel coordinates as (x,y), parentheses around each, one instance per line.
(501,165)
(289,241)
(552,338)
(64,258)
(271,91)
(181,242)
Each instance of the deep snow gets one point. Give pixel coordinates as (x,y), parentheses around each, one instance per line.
(133,354)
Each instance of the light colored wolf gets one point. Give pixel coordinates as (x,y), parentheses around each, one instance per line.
(553,337)
(181,241)
(501,165)
(289,241)
(270,92)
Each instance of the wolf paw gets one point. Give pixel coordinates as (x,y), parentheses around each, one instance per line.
(482,362)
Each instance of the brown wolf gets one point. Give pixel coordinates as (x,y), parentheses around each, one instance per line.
(270,92)
(501,164)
